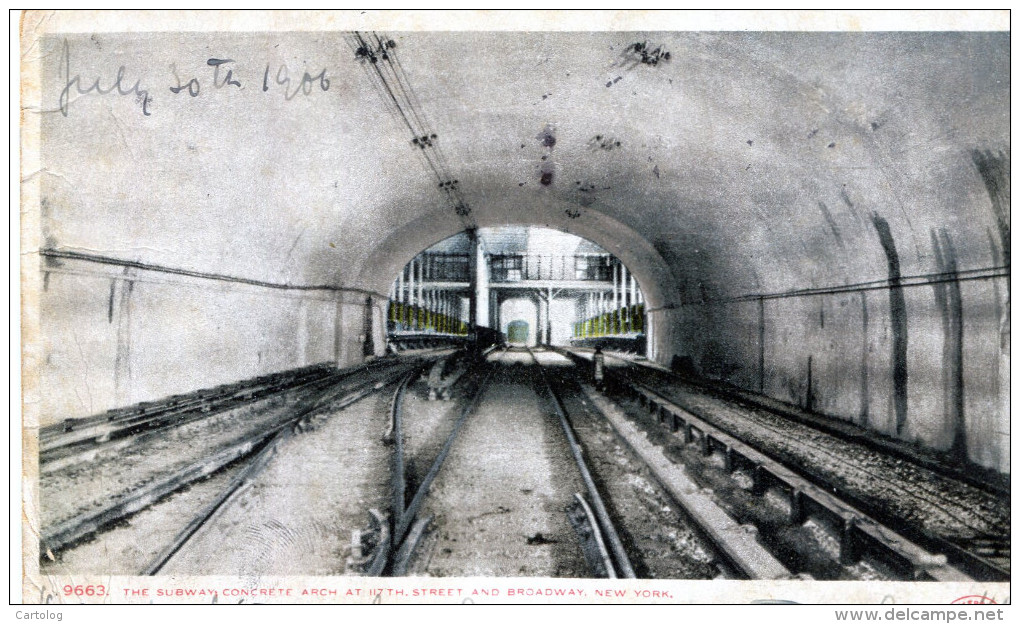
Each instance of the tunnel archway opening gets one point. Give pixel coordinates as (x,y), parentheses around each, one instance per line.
(518,332)
(518,321)
(577,292)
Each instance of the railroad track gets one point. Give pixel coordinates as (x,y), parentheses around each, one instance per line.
(614,559)
(249,453)
(861,527)
(976,477)
(207,399)
(737,549)
(392,545)
(392,541)
(75,440)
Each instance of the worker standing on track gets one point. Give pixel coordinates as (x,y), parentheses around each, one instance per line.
(599,369)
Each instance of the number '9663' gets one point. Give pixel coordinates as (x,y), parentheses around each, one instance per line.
(84,590)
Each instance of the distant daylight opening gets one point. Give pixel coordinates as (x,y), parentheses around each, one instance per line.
(517,332)
(530,285)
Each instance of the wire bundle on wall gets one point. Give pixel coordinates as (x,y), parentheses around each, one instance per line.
(377,54)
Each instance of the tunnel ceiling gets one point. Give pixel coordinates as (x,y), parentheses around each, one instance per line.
(742,164)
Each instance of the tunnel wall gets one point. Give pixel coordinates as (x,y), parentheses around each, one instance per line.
(834,354)
(116,335)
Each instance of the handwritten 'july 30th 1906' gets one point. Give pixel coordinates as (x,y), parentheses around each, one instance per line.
(218,74)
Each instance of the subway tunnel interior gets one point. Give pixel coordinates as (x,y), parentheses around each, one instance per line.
(820,218)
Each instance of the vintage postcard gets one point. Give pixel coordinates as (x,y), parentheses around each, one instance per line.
(365,307)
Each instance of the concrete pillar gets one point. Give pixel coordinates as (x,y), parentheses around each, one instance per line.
(401,293)
(419,281)
(444,306)
(624,293)
(548,314)
(616,286)
(410,282)
(474,270)
(624,300)
(543,316)
(428,294)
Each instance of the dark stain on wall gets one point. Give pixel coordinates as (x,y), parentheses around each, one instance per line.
(109,306)
(1001,311)
(897,319)
(547,137)
(337,333)
(994,170)
(845,197)
(950,303)
(809,394)
(603,142)
(123,376)
(646,53)
(368,348)
(865,399)
(716,361)
(761,345)
(832,223)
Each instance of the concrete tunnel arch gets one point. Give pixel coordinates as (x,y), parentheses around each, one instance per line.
(771,191)
(390,256)
(533,323)
(642,260)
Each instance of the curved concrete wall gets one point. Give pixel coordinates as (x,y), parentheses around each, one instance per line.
(820,217)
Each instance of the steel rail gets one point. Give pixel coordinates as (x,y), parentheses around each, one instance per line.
(403,522)
(623,564)
(76,528)
(970,563)
(96,433)
(407,528)
(977,479)
(858,529)
(261,461)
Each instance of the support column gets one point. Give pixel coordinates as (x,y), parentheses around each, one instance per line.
(543,314)
(624,300)
(430,306)
(624,293)
(444,309)
(473,262)
(548,314)
(420,297)
(410,283)
(616,286)
(493,310)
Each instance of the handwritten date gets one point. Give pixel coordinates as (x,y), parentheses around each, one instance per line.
(223,77)
(142,95)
